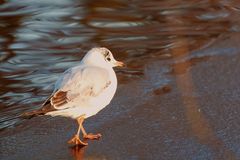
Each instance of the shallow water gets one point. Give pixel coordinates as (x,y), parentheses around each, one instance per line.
(40,39)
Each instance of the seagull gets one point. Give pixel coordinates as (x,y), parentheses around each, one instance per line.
(82,91)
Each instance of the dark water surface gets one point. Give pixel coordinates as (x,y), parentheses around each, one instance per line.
(159,40)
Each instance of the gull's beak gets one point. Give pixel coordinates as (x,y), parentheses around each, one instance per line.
(119,64)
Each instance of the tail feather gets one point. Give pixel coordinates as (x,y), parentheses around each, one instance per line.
(26,115)
(46,107)
(31,114)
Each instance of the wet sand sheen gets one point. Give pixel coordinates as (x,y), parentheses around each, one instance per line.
(199,125)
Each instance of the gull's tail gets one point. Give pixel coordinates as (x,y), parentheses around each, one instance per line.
(26,115)
(31,114)
(45,108)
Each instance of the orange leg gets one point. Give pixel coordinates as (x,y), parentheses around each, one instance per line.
(76,140)
(90,135)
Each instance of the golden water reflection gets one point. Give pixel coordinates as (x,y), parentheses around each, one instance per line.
(199,125)
(78,152)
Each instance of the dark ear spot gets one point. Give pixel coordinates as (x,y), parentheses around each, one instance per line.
(106,53)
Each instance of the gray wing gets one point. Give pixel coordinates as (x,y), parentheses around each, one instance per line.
(78,83)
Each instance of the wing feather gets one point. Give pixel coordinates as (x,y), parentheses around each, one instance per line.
(78,82)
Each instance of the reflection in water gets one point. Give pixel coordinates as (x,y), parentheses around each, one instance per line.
(78,152)
(7,31)
(200,127)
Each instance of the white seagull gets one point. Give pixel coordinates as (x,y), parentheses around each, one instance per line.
(82,91)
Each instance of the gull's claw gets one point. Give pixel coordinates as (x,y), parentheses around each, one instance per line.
(92,136)
(76,141)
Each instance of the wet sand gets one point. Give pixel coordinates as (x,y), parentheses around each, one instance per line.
(193,114)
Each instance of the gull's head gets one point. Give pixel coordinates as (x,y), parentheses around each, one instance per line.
(102,57)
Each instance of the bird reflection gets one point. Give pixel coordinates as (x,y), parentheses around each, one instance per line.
(78,152)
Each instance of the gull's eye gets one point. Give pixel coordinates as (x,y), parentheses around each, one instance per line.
(108,59)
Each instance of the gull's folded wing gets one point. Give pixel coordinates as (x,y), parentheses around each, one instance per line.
(77,83)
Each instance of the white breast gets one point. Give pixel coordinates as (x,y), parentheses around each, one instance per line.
(103,99)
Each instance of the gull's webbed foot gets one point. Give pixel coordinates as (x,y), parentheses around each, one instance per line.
(92,136)
(76,141)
